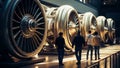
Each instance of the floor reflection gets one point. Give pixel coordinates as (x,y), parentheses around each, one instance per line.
(70,61)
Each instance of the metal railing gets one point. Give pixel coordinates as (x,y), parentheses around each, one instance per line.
(112,61)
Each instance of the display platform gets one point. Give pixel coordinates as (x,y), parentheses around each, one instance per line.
(51,50)
(54,52)
(19,63)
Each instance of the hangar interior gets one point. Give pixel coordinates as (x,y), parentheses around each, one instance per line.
(29,27)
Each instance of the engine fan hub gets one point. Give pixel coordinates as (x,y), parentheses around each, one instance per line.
(28,26)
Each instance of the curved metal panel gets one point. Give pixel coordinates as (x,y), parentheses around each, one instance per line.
(88,22)
(111,29)
(102,27)
(63,19)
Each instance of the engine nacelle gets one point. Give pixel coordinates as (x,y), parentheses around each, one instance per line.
(62,19)
(111,29)
(102,27)
(88,23)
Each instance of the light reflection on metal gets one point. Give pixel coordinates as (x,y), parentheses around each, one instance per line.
(102,27)
(62,19)
(88,22)
(36,56)
(24,27)
(46,58)
(111,29)
(36,66)
(66,19)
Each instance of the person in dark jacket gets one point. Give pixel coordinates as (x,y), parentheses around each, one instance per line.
(60,42)
(78,41)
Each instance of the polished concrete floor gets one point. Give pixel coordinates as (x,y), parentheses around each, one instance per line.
(69,61)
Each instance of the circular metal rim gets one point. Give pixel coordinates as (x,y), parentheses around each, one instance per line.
(111,28)
(102,22)
(14,49)
(76,28)
(50,11)
(87,22)
(61,25)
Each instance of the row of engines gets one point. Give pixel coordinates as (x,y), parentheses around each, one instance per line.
(66,19)
(27,25)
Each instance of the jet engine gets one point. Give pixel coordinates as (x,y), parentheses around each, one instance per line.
(23,28)
(102,27)
(62,19)
(88,23)
(111,29)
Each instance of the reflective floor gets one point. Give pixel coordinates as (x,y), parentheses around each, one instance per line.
(51,61)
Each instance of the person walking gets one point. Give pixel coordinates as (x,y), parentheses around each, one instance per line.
(60,42)
(78,41)
(96,44)
(89,44)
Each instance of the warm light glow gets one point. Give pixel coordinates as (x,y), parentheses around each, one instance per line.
(46,58)
(47,44)
(36,56)
(36,66)
(56,60)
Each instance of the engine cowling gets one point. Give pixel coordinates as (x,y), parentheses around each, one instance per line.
(111,29)
(102,28)
(88,23)
(63,19)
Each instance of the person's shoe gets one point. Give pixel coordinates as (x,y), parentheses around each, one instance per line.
(78,63)
(61,64)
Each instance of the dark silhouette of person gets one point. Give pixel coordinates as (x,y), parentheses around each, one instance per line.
(78,41)
(89,44)
(96,44)
(60,42)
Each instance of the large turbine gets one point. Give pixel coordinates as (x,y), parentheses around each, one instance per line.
(23,28)
(102,27)
(88,22)
(62,19)
(111,29)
